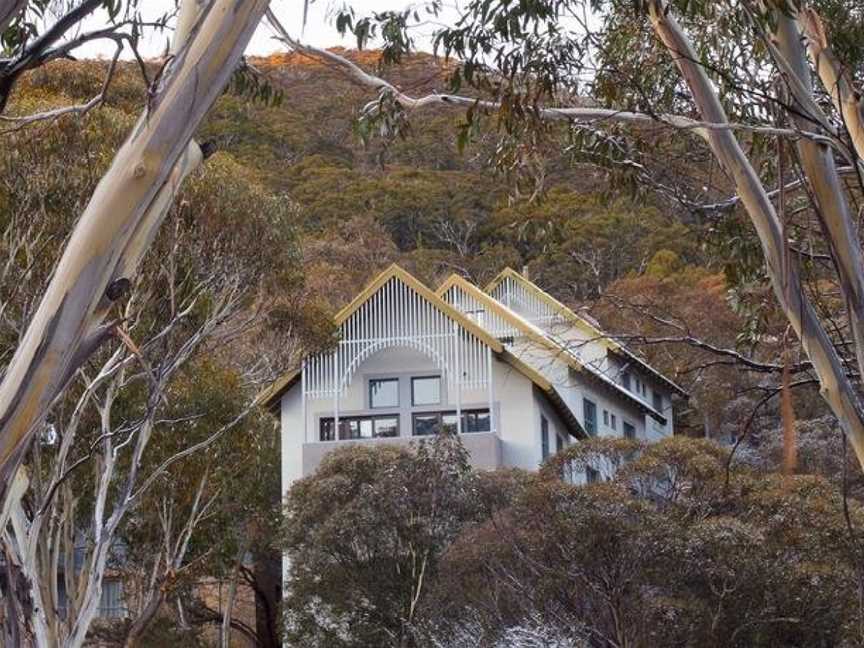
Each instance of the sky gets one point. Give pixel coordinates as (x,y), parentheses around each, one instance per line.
(319,30)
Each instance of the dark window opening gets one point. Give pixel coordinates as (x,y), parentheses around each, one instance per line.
(658,401)
(427,423)
(544,437)
(589,416)
(629,431)
(592,476)
(359,427)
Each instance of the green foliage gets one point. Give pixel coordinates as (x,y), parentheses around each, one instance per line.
(666,553)
(364,536)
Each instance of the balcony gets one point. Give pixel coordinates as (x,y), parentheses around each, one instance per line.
(484,449)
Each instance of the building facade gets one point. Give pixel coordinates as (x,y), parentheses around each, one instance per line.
(514,372)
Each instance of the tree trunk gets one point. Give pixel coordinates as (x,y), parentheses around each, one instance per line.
(232,595)
(836,387)
(144,619)
(268,595)
(114,231)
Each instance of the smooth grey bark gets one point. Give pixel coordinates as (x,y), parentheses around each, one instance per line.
(824,179)
(114,231)
(836,387)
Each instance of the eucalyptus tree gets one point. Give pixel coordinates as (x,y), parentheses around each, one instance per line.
(759,99)
(123,215)
(141,453)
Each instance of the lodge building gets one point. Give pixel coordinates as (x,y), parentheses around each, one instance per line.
(513,371)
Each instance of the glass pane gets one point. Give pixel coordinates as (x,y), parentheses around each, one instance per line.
(425,424)
(449,420)
(629,431)
(658,402)
(590,416)
(366,429)
(477,421)
(349,429)
(387,427)
(384,393)
(326,431)
(426,391)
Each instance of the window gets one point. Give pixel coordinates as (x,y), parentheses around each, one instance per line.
(589,411)
(605,417)
(384,392)
(426,390)
(559,443)
(359,427)
(625,380)
(111,601)
(614,422)
(544,437)
(427,423)
(658,401)
(629,431)
(592,476)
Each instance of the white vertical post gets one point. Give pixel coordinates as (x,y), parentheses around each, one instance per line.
(336,392)
(490,389)
(458,364)
(303,401)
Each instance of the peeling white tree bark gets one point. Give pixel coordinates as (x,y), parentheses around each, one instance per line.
(118,224)
(824,180)
(835,78)
(836,387)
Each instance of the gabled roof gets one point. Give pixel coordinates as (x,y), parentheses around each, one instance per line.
(581,322)
(538,336)
(271,396)
(394,271)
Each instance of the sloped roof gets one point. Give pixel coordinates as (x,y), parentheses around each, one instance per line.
(536,335)
(581,322)
(394,271)
(272,395)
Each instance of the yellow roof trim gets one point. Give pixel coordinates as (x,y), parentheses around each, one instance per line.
(269,396)
(568,313)
(516,320)
(526,370)
(394,271)
(500,310)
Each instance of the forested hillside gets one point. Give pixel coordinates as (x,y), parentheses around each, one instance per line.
(648,267)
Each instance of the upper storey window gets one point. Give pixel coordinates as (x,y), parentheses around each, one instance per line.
(658,401)
(426,390)
(384,392)
(590,416)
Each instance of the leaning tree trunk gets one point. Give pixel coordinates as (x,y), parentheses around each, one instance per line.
(118,224)
(836,387)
